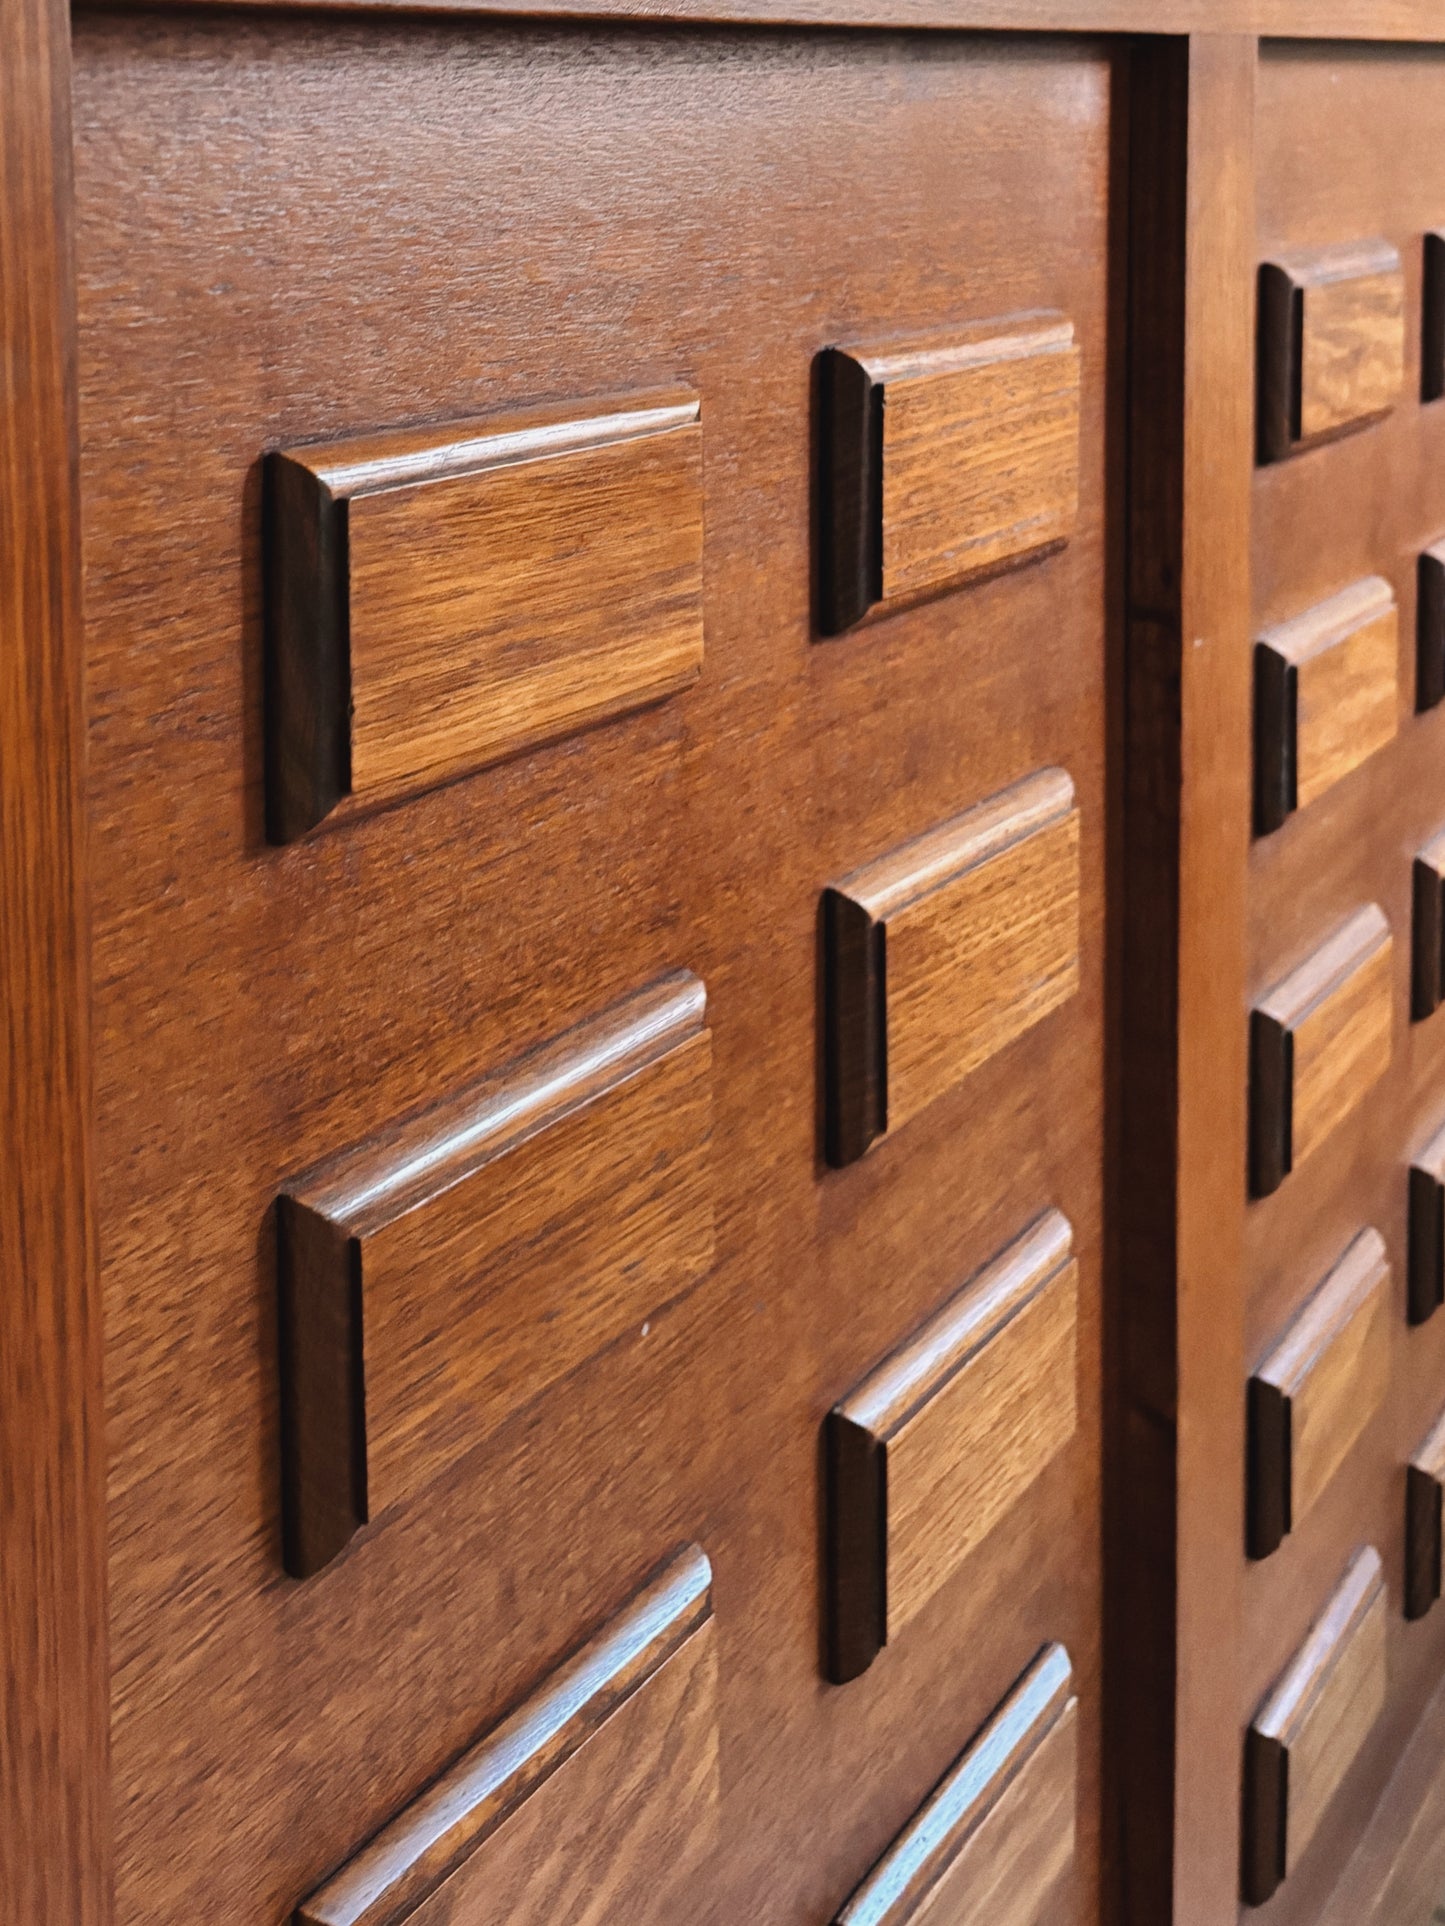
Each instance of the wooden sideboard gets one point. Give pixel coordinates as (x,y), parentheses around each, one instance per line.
(722,922)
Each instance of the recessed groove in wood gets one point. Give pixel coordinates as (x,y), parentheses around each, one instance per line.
(935,1445)
(1430,628)
(1304,1737)
(1326,696)
(944,463)
(1432,320)
(440,1276)
(994,1845)
(592,1802)
(1426,1290)
(1317,1391)
(945,950)
(441,598)
(1424,1483)
(1319,1040)
(1427,933)
(1331,343)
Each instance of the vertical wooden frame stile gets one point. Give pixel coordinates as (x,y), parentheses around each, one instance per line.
(54,1689)
(1174,1477)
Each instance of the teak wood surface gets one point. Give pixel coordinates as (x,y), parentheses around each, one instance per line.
(1332,343)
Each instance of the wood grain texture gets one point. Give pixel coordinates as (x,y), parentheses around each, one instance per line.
(1424,1483)
(1427,930)
(995,1841)
(55,1801)
(1430,628)
(1427,1230)
(1326,696)
(945,950)
(1318,1389)
(441,598)
(589,1803)
(934,1447)
(436,1279)
(1331,343)
(946,462)
(1303,1739)
(1319,1041)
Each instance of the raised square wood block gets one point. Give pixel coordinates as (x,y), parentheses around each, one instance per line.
(945,950)
(593,1802)
(441,598)
(994,1845)
(1317,1391)
(1319,1041)
(1424,1483)
(439,1277)
(1304,1737)
(946,462)
(1426,1288)
(1427,955)
(929,1452)
(1331,343)
(1326,689)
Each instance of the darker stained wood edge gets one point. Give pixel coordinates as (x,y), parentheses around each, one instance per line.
(850,537)
(307,648)
(1270,1415)
(1280,363)
(855,1029)
(1430,626)
(1427,947)
(1432,325)
(1271,1103)
(857,1547)
(1426,1263)
(1422,1541)
(1266,1813)
(1276,738)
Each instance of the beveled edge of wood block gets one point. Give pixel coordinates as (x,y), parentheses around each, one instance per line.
(852,383)
(1277,1725)
(1426,1262)
(1282,281)
(322,1216)
(1273,1021)
(306,488)
(1427,929)
(1350,1282)
(385,1883)
(1278,653)
(1430,627)
(858,1428)
(854,914)
(1432,322)
(1424,1481)
(966,1795)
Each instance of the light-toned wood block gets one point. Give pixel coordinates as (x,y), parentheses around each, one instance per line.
(1319,1041)
(439,1277)
(1424,1485)
(592,1803)
(441,598)
(1326,696)
(1427,1230)
(1332,343)
(1304,1737)
(942,952)
(947,461)
(994,1845)
(1317,1391)
(936,1445)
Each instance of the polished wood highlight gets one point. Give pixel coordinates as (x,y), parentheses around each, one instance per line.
(1304,1737)
(592,1802)
(1427,930)
(995,1841)
(1424,1483)
(942,952)
(1430,627)
(1319,1041)
(1326,697)
(1318,1389)
(1331,343)
(936,1445)
(439,598)
(437,1278)
(945,462)
(1426,1284)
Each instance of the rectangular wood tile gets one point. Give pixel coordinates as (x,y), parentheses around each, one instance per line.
(1326,696)
(1331,343)
(930,1451)
(1319,1041)
(994,1845)
(947,462)
(1427,931)
(1304,1737)
(1424,1483)
(1427,1230)
(945,950)
(441,598)
(1317,1391)
(592,1802)
(439,1277)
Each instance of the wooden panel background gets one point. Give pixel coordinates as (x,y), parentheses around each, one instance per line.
(280,233)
